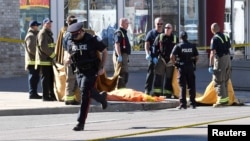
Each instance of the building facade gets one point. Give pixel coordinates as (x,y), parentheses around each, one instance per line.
(194,16)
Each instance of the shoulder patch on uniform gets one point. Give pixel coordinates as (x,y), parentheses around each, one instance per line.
(118,34)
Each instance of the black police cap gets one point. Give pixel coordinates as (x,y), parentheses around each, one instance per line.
(75,27)
(34,23)
(183,34)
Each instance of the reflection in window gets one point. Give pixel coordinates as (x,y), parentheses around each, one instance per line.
(102,20)
(102,17)
(168,10)
(77,8)
(189,19)
(137,13)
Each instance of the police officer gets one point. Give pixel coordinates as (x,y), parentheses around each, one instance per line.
(122,50)
(84,53)
(184,56)
(164,43)
(149,40)
(220,64)
(30,51)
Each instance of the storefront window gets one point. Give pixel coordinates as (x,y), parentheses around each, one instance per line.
(168,10)
(103,19)
(100,17)
(189,19)
(137,11)
(32,10)
(77,8)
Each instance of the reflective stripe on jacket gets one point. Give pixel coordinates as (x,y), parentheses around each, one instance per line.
(30,47)
(45,48)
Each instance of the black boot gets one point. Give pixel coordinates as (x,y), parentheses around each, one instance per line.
(53,97)
(79,127)
(104,100)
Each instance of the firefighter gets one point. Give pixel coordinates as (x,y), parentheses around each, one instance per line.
(122,50)
(30,51)
(220,64)
(71,84)
(184,56)
(88,65)
(44,58)
(164,43)
(149,40)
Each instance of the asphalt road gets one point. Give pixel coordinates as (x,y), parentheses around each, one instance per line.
(158,125)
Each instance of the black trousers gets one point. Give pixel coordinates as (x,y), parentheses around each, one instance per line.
(47,80)
(86,82)
(187,81)
(149,77)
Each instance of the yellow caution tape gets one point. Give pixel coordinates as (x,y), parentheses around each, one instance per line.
(233,46)
(240,45)
(10,40)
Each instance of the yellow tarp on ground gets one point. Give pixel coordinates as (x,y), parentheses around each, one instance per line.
(208,98)
(132,96)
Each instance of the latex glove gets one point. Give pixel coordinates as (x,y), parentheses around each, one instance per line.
(155,60)
(148,57)
(210,70)
(119,59)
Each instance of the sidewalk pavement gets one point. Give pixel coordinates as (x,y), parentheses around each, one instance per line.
(14,97)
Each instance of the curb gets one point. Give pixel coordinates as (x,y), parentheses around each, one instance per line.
(112,107)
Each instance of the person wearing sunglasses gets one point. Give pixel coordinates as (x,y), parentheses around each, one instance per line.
(149,40)
(164,43)
(89,63)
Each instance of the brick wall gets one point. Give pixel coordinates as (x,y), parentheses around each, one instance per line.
(11,58)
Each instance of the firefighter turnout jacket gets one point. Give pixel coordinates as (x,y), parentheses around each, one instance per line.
(45,48)
(30,47)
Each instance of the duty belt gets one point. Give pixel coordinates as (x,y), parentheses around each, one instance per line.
(222,54)
(85,67)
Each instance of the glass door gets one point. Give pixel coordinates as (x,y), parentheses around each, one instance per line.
(239,29)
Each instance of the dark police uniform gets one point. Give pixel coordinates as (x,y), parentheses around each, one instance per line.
(185,54)
(163,47)
(150,37)
(222,65)
(120,36)
(86,61)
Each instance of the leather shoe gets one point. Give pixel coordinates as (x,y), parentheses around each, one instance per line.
(104,101)
(193,106)
(182,107)
(72,102)
(35,96)
(53,97)
(48,99)
(79,127)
